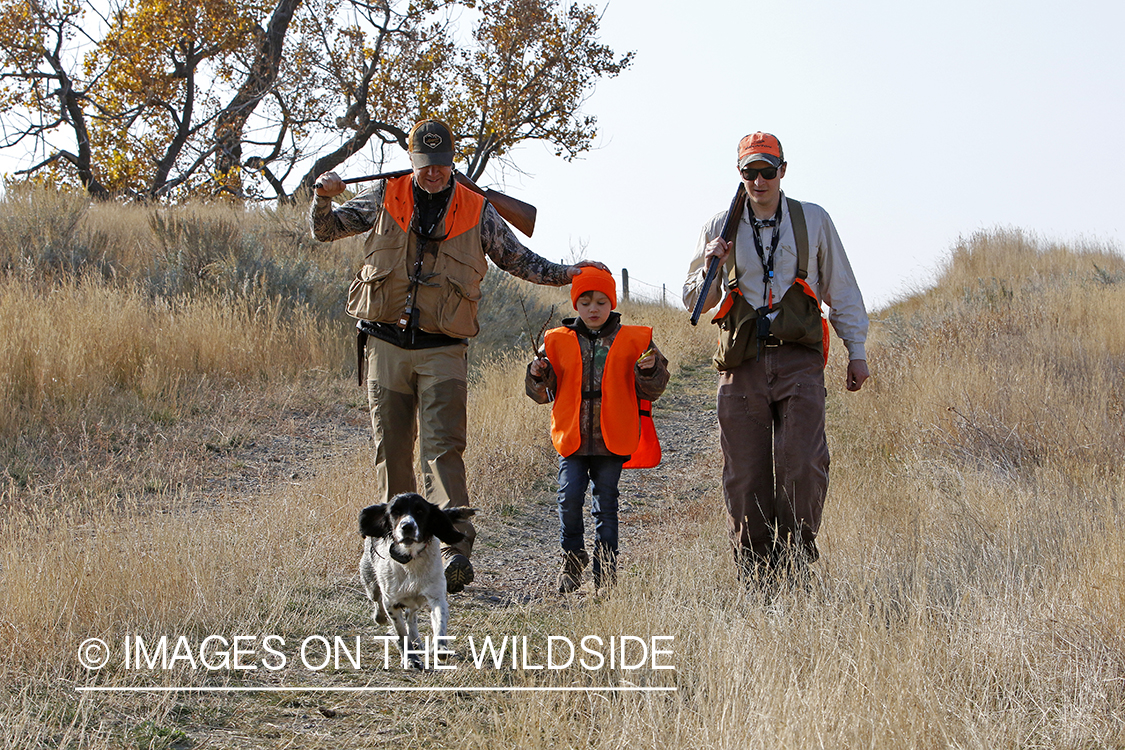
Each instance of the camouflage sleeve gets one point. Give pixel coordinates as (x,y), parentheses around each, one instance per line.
(501,245)
(329,222)
(651,383)
(541,390)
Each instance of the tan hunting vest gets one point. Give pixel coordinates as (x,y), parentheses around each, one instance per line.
(449,291)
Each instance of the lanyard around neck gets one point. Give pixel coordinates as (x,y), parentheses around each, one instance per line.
(767,262)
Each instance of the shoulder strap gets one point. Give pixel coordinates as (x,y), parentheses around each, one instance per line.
(464,211)
(731,268)
(801,234)
(398,200)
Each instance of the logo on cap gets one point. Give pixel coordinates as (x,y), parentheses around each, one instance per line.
(433,140)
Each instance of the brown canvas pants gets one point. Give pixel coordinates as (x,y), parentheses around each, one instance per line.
(421,395)
(775,455)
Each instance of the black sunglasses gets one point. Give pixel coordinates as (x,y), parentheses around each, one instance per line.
(751,174)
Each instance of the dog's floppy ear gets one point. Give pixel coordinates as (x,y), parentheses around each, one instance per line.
(457,515)
(373,521)
(442,523)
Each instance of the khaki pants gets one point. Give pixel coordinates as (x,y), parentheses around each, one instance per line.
(775,455)
(420,394)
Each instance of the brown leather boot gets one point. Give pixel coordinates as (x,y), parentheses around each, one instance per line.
(570,577)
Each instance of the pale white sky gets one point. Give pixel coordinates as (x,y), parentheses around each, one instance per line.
(911,123)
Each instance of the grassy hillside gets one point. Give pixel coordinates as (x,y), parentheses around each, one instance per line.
(970,592)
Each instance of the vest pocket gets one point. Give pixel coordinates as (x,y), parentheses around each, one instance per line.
(798,318)
(458,316)
(737,332)
(369,294)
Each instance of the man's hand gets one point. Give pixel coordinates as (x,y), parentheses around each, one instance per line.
(576,269)
(857,374)
(329,185)
(717,248)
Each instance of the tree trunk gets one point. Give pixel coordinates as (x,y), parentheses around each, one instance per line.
(259,80)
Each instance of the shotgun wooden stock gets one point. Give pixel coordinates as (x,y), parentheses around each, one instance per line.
(517,213)
(734,215)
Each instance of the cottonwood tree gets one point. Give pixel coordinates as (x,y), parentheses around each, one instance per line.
(168,98)
(533,66)
(160,72)
(41,91)
(133,103)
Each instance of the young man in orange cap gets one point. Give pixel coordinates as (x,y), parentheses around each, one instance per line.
(784,260)
(426,254)
(596,371)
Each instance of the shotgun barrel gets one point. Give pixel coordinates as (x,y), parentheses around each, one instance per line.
(380,176)
(730,225)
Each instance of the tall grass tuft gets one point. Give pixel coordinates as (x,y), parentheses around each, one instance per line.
(48,237)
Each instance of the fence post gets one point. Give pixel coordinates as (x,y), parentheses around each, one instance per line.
(624,283)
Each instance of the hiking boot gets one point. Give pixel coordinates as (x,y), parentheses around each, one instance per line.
(458,573)
(570,577)
(605,569)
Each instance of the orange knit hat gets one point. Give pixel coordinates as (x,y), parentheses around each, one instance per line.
(593,279)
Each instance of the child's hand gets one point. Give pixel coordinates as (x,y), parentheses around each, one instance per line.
(647,360)
(539,367)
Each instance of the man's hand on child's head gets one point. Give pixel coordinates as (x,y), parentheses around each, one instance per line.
(576,269)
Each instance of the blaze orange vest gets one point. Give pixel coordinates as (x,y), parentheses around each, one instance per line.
(464,207)
(620,419)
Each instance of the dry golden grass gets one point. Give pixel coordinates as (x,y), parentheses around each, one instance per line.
(970,592)
(77,342)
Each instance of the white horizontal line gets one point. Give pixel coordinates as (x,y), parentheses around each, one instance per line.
(374,689)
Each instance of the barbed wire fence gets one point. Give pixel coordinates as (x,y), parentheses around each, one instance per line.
(629,287)
(638,290)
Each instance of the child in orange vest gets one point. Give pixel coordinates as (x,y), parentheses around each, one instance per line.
(596,372)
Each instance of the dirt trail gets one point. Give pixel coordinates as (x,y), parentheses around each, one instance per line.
(517,552)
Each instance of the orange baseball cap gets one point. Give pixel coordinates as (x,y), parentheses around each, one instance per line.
(760,147)
(593,279)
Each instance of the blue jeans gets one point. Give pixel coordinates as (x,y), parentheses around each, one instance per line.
(575,473)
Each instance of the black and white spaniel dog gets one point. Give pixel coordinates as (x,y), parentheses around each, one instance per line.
(401,567)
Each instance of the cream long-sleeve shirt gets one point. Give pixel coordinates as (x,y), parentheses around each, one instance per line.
(829,273)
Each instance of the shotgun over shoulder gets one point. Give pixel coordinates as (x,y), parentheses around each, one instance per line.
(517,213)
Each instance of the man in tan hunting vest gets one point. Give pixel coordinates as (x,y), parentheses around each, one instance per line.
(416,298)
(773,345)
